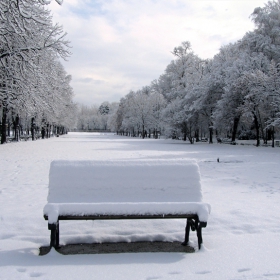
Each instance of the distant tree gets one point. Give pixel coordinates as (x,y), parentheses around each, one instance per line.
(104,108)
(185,73)
(138,116)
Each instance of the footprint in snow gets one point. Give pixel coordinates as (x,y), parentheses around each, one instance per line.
(35,274)
(203,272)
(244,269)
(21,269)
(174,272)
(272,275)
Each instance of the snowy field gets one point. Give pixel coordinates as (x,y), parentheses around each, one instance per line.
(241,241)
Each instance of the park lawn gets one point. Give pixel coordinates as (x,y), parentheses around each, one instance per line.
(241,241)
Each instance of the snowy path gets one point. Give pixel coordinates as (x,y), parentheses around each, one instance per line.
(242,239)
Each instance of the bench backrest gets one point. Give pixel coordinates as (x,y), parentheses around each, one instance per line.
(124,181)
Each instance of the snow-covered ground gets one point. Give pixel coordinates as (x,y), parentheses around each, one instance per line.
(241,241)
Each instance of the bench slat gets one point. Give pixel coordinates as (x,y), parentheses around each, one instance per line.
(124,217)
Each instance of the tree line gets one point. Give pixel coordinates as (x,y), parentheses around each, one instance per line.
(234,94)
(35,92)
(95,118)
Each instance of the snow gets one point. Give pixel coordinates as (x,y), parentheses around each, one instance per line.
(53,210)
(124,181)
(241,240)
(125,187)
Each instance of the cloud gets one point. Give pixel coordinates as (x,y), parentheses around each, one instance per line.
(129,43)
(90,80)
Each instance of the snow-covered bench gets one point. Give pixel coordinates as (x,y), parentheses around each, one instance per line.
(129,189)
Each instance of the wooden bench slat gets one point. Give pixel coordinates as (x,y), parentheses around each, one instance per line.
(124,217)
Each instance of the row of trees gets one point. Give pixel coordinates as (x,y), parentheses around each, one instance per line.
(139,114)
(236,91)
(35,91)
(95,118)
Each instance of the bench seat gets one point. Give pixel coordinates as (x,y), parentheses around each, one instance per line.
(55,211)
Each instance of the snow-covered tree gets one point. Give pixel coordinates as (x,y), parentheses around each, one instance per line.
(185,73)
(27,40)
(265,38)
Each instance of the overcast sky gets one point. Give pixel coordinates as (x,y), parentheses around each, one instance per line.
(122,45)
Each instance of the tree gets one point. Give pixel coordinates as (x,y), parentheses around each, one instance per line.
(26,37)
(262,100)
(158,103)
(139,114)
(273,98)
(266,37)
(184,73)
(104,108)
(234,61)
(46,2)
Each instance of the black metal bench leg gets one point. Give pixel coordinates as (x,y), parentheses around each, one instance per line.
(54,228)
(57,236)
(187,233)
(199,236)
(53,238)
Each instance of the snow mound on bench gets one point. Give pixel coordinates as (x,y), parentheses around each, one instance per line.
(124,181)
(130,187)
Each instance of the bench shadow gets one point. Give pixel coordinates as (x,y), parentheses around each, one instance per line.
(96,254)
(120,247)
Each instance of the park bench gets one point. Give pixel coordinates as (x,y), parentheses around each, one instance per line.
(128,189)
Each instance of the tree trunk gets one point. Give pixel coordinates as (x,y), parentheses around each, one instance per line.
(16,127)
(272,137)
(47,131)
(265,136)
(8,124)
(256,122)
(196,135)
(211,135)
(260,125)
(184,130)
(43,132)
(4,124)
(32,129)
(156,134)
(234,129)
(191,139)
